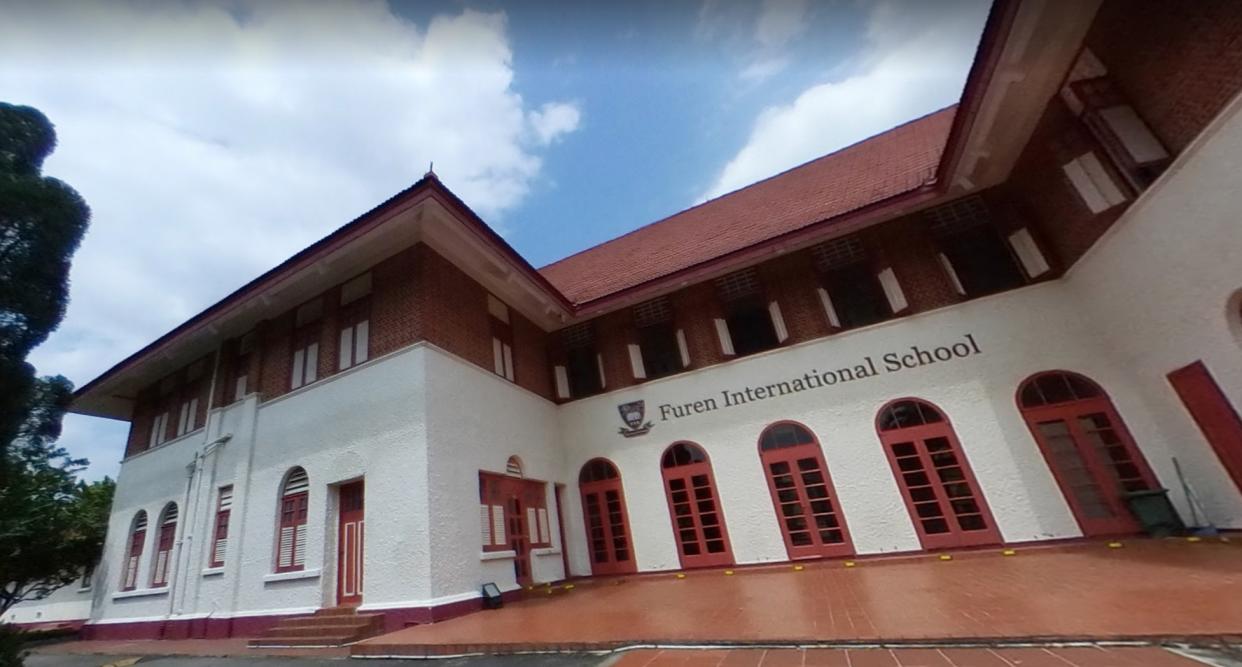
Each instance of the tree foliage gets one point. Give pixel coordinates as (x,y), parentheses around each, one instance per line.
(51,525)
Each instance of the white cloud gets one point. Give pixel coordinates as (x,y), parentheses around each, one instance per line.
(553,121)
(761,70)
(212,141)
(916,61)
(780,21)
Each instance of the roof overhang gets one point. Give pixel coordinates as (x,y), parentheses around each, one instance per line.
(426,212)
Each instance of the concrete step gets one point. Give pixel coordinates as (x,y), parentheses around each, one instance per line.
(327,621)
(327,627)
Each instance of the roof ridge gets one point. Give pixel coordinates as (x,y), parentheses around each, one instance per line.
(748,186)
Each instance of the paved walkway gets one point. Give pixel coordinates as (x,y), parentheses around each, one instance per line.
(184,647)
(912,657)
(1147,589)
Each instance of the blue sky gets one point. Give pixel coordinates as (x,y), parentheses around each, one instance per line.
(215,139)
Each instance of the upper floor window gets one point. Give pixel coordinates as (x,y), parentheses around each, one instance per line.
(974,256)
(850,290)
(355,316)
(502,338)
(159,429)
(306,330)
(291,529)
(583,373)
(238,382)
(661,348)
(1130,147)
(220,538)
(752,323)
(187,419)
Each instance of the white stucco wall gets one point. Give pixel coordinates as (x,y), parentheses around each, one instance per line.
(476,420)
(1161,290)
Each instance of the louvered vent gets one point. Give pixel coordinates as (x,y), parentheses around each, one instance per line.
(738,285)
(958,216)
(655,311)
(838,252)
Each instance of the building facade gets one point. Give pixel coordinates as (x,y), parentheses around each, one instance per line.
(983,327)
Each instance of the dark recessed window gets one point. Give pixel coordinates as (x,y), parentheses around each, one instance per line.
(975,255)
(851,283)
(657,338)
(748,315)
(582,364)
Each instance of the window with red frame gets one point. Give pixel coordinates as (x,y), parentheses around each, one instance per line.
(164,546)
(237,383)
(291,531)
(355,322)
(502,338)
(137,540)
(220,538)
(304,368)
(495,511)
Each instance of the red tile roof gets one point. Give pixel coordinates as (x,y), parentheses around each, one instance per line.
(893,163)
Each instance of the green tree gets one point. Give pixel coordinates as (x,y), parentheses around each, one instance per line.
(52,525)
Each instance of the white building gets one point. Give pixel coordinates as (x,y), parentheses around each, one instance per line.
(985,326)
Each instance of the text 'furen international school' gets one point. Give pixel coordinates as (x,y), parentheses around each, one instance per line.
(890,362)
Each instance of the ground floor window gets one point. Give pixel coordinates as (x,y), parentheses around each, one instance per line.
(802,493)
(694,506)
(1088,449)
(607,523)
(944,499)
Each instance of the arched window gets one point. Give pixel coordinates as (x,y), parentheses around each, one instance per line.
(698,524)
(514,466)
(137,540)
(1087,447)
(802,492)
(291,532)
(607,523)
(164,546)
(944,499)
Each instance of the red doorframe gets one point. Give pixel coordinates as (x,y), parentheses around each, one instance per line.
(1213,413)
(803,495)
(1088,448)
(607,522)
(519,537)
(944,500)
(560,527)
(694,507)
(350,544)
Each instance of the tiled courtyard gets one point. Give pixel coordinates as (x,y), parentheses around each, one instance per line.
(1145,589)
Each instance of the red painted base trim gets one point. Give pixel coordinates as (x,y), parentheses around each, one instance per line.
(255,626)
(42,626)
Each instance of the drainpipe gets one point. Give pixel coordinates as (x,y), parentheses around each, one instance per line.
(187,537)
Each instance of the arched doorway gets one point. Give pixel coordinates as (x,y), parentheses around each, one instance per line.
(607,522)
(694,507)
(802,492)
(944,499)
(1088,448)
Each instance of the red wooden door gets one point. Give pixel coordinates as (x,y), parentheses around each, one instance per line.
(693,504)
(941,493)
(802,493)
(1092,456)
(350,545)
(607,523)
(1215,415)
(519,538)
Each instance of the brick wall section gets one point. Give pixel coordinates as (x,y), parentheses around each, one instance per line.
(1179,63)
(274,337)
(695,309)
(614,333)
(394,313)
(451,309)
(791,281)
(906,245)
(530,356)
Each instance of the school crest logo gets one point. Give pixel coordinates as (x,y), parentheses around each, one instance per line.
(632,414)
